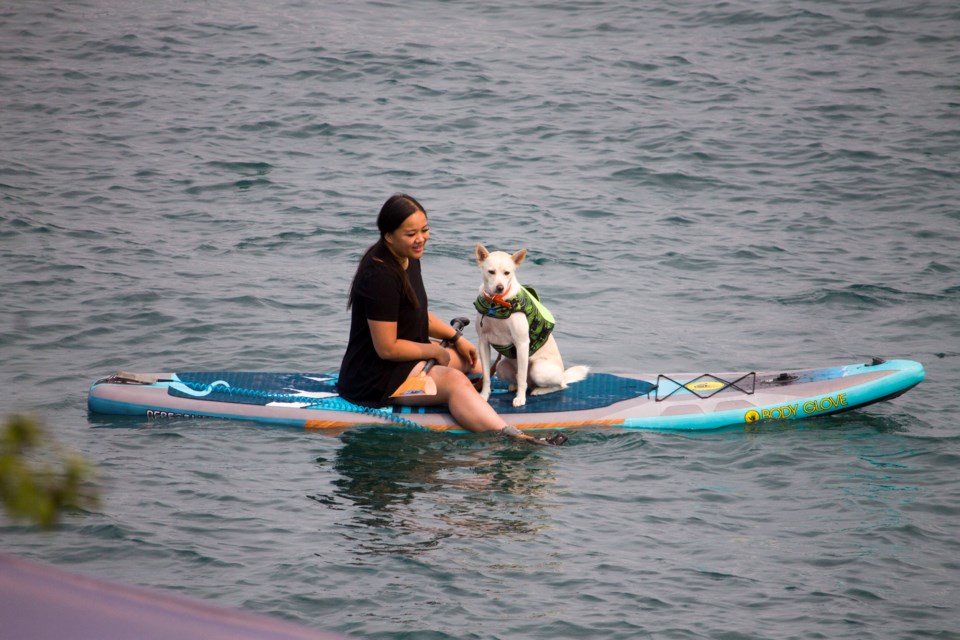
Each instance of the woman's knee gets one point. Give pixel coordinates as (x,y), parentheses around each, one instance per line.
(455,381)
(457,362)
(507,370)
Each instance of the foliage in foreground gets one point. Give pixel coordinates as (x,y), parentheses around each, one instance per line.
(38,480)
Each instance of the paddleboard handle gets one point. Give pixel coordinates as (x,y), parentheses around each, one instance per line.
(458,324)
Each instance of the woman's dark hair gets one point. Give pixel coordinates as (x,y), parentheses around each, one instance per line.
(394,211)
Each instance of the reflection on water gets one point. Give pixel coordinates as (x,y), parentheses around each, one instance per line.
(408,491)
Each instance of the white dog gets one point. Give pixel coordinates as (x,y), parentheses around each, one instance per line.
(511,320)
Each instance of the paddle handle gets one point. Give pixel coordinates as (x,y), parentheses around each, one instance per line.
(456,323)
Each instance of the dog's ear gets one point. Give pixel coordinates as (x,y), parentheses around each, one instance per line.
(481,253)
(519,257)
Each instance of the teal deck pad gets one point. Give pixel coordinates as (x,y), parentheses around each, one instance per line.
(261,388)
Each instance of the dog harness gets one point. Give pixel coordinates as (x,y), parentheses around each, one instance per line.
(527,302)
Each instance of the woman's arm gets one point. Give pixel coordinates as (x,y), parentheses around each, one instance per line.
(389,347)
(437,328)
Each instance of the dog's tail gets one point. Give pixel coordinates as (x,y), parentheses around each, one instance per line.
(575,374)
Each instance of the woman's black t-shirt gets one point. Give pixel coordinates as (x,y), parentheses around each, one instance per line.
(366,378)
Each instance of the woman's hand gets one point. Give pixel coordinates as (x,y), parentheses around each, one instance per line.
(466,350)
(441,355)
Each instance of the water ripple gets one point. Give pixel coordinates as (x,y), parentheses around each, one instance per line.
(706,187)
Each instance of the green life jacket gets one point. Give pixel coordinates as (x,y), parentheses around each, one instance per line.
(528,303)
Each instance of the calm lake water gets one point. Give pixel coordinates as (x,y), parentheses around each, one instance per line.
(700,186)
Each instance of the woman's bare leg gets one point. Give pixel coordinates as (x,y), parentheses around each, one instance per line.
(467,407)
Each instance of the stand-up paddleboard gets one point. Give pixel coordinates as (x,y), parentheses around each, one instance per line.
(665,402)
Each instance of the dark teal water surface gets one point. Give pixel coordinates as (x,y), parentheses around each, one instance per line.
(701,186)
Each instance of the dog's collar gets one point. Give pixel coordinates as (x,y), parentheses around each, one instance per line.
(526,301)
(498,300)
(498,306)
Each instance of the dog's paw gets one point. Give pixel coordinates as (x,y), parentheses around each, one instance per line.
(485,394)
(519,401)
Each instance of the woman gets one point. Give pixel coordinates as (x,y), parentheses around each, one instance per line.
(391,329)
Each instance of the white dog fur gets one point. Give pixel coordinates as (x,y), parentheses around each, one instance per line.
(544,368)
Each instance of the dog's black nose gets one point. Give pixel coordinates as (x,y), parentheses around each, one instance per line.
(499,288)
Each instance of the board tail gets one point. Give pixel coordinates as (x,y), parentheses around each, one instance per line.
(575,374)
